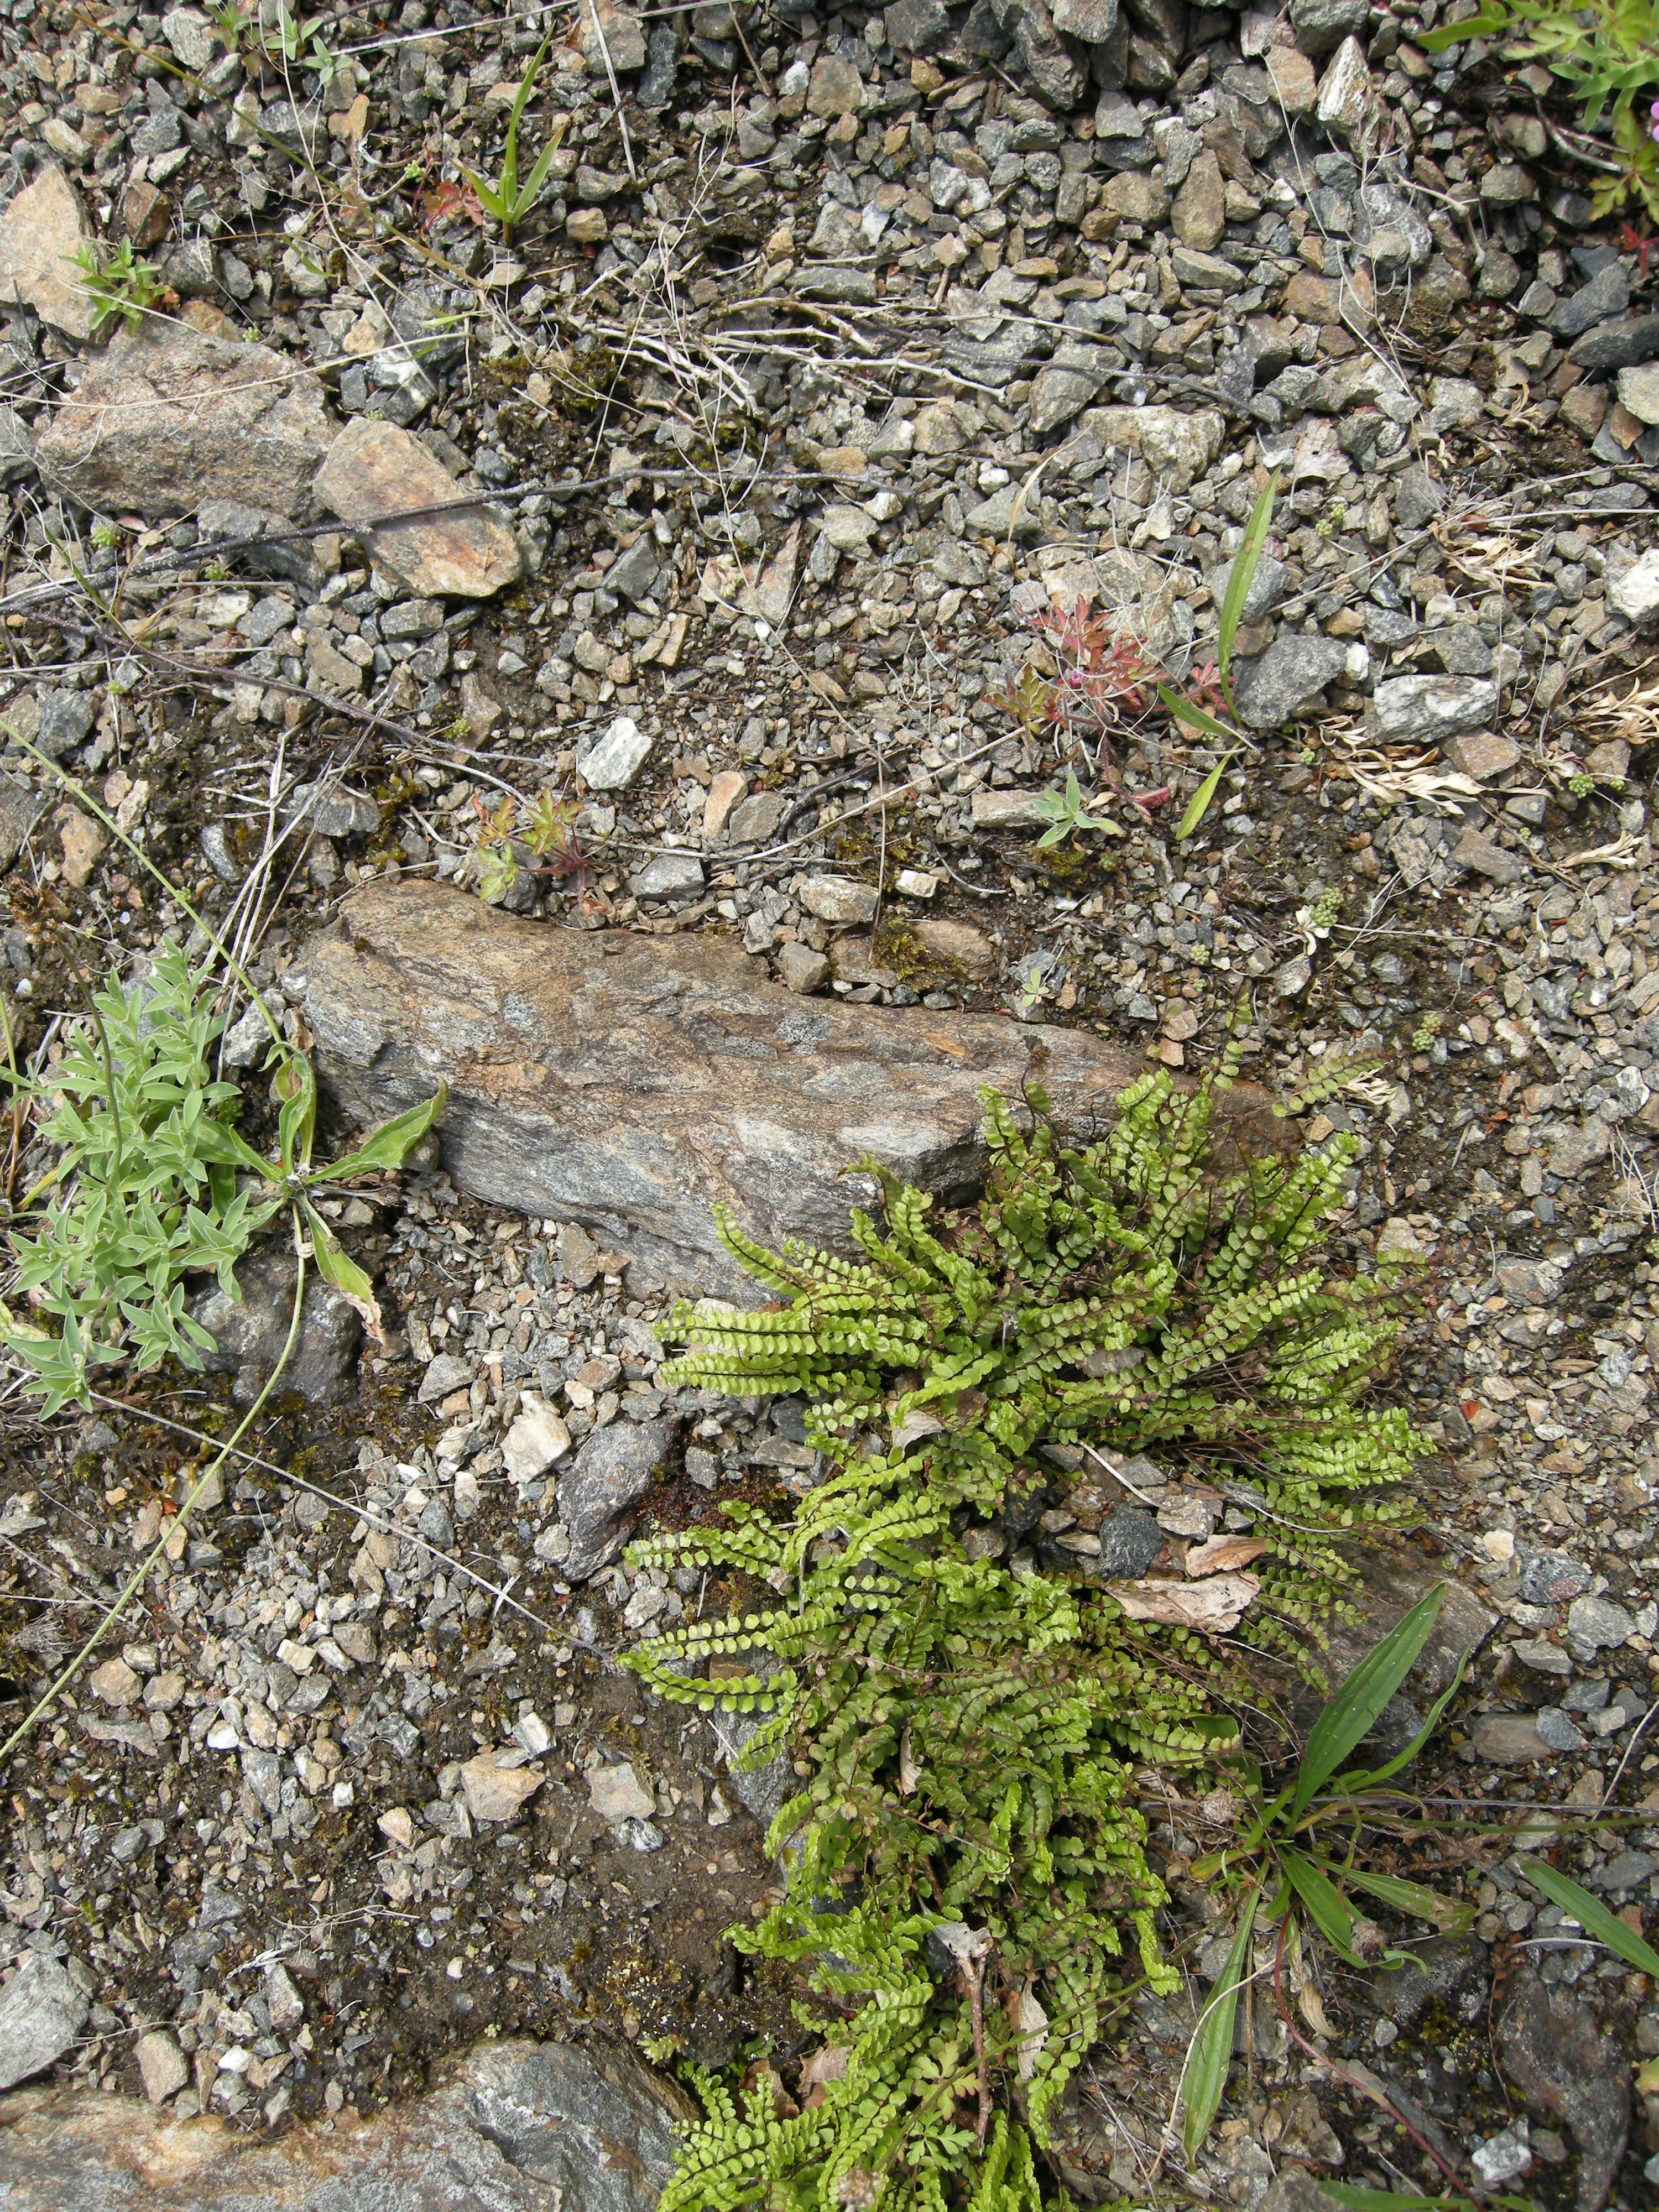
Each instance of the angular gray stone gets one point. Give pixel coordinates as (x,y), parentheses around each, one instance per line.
(1058,76)
(834,285)
(1380,212)
(249,1336)
(167,418)
(1177,444)
(511,2127)
(1009,512)
(1287,679)
(1450,1972)
(1605,295)
(1205,272)
(1406,707)
(838,898)
(1058,392)
(1638,391)
(1321,25)
(1418,499)
(610,760)
(629,1091)
(1270,586)
(1455,404)
(22,809)
(41,2012)
(1129,1541)
(1495,862)
(65,721)
(1347,98)
(1617,344)
(1555,1729)
(1635,594)
(610,1473)
(1598,1623)
(1092,21)
(667,875)
(161,2066)
(920,26)
(193,37)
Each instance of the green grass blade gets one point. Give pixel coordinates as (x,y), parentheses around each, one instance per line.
(539,176)
(1411,1897)
(1204,2080)
(1594,1918)
(1188,711)
(1199,804)
(1382,2200)
(1402,1758)
(1325,1907)
(1349,1717)
(1246,561)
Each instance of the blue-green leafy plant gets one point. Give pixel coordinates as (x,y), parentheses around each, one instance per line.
(966,1857)
(151,1182)
(1608,53)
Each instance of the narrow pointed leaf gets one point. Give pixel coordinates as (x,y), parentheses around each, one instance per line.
(1325,1908)
(1357,1782)
(1204,2080)
(1593,1917)
(1351,1714)
(1442,1912)
(1189,710)
(295,1087)
(1486,23)
(334,1263)
(539,176)
(386,1149)
(1199,804)
(1246,561)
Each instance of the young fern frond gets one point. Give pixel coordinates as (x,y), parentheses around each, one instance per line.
(969,1720)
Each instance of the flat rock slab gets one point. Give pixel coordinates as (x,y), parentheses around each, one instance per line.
(169,418)
(41,231)
(627,1082)
(518,2127)
(375,470)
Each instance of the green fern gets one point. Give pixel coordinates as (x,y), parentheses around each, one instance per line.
(972,1730)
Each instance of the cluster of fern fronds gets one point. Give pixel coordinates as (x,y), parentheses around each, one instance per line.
(965,1854)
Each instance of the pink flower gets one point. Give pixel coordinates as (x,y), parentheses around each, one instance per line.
(1654,126)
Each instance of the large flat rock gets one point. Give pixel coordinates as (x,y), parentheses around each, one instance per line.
(629,1082)
(167,418)
(517,2127)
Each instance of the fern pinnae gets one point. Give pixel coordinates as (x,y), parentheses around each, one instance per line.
(1015,1701)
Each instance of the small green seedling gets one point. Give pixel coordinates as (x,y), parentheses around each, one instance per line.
(1067,811)
(121,285)
(507,201)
